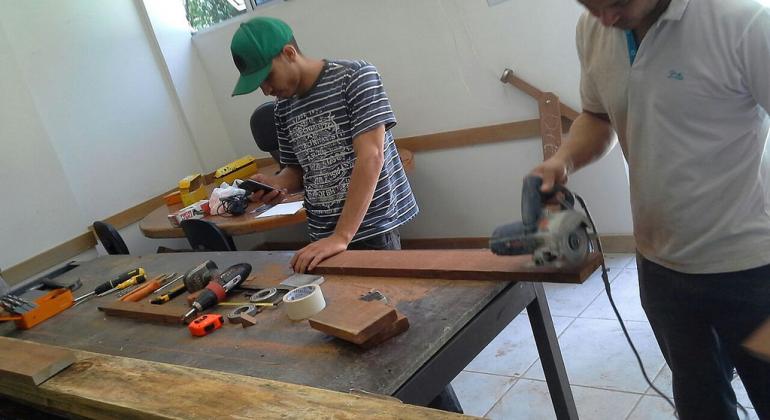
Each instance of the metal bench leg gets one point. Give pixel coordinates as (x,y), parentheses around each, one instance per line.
(550,355)
(447,400)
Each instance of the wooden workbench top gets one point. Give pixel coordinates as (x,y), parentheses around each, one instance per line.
(276,348)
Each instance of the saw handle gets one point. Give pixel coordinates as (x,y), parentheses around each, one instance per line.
(533,199)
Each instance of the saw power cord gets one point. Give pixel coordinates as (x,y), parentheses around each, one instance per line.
(608,290)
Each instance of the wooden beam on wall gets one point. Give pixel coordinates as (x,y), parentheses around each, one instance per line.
(472,136)
(49,258)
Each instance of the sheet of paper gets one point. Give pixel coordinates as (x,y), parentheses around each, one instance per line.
(282,209)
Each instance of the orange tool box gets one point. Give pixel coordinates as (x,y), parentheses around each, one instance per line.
(48,305)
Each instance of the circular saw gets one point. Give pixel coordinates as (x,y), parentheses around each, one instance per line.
(554,237)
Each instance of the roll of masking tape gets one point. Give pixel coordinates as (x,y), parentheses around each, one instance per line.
(304,302)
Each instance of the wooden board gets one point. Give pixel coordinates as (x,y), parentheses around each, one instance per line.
(453,264)
(394,329)
(167,313)
(354,320)
(26,363)
(758,343)
(108,387)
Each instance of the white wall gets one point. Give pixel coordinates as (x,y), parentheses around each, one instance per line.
(166,19)
(90,124)
(441,61)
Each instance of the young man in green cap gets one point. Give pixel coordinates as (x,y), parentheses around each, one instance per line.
(333,121)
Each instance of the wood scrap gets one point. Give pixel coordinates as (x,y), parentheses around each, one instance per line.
(30,364)
(167,314)
(396,328)
(354,320)
(453,265)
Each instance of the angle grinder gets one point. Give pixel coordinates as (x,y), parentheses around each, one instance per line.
(553,237)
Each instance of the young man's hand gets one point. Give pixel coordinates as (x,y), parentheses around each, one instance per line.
(309,257)
(273,197)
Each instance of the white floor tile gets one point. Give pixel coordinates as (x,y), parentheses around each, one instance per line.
(572,299)
(478,392)
(596,354)
(618,261)
(529,399)
(625,292)
(740,393)
(513,350)
(652,408)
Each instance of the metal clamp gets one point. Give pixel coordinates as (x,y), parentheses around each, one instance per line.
(235,316)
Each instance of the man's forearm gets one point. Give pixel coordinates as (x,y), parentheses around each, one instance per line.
(590,138)
(363,182)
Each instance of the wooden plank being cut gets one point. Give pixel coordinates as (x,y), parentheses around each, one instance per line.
(476,264)
(354,320)
(101,386)
(168,313)
(26,363)
(758,343)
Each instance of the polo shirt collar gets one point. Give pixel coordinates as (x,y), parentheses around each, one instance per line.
(675,10)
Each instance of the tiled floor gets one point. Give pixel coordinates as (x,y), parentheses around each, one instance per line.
(506,380)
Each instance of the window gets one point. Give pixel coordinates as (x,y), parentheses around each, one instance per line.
(204,13)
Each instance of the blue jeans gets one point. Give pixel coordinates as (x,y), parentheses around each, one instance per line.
(699,321)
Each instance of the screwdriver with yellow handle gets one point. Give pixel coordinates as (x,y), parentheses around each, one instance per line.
(137,279)
(176,291)
(111,284)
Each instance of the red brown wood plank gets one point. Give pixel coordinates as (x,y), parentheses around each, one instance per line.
(401,325)
(354,320)
(453,265)
(168,313)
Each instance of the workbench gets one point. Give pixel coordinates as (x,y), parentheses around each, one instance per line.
(451,322)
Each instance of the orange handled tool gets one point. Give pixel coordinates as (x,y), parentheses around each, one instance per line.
(145,290)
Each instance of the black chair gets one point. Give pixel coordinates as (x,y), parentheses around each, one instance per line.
(110,238)
(206,236)
(263,129)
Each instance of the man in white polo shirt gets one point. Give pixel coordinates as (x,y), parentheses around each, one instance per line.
(685,85)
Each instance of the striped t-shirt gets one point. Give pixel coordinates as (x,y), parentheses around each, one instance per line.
(316,132)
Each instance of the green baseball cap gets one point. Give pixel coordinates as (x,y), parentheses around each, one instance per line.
(254,45)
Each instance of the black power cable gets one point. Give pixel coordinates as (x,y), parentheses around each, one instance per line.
(608,290)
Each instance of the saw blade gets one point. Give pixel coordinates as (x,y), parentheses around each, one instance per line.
(574,247)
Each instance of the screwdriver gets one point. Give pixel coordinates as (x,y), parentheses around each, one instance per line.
(137,279)
(108,285)
(176,291)
(169,283)
(144,290)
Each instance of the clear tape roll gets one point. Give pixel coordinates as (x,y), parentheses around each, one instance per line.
(304,302)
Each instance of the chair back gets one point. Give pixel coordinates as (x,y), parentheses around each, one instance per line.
(263,129)
(206,236)
(110,238)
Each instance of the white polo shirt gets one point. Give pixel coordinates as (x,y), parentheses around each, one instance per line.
(691,118)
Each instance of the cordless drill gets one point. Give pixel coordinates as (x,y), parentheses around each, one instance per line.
(218,288)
